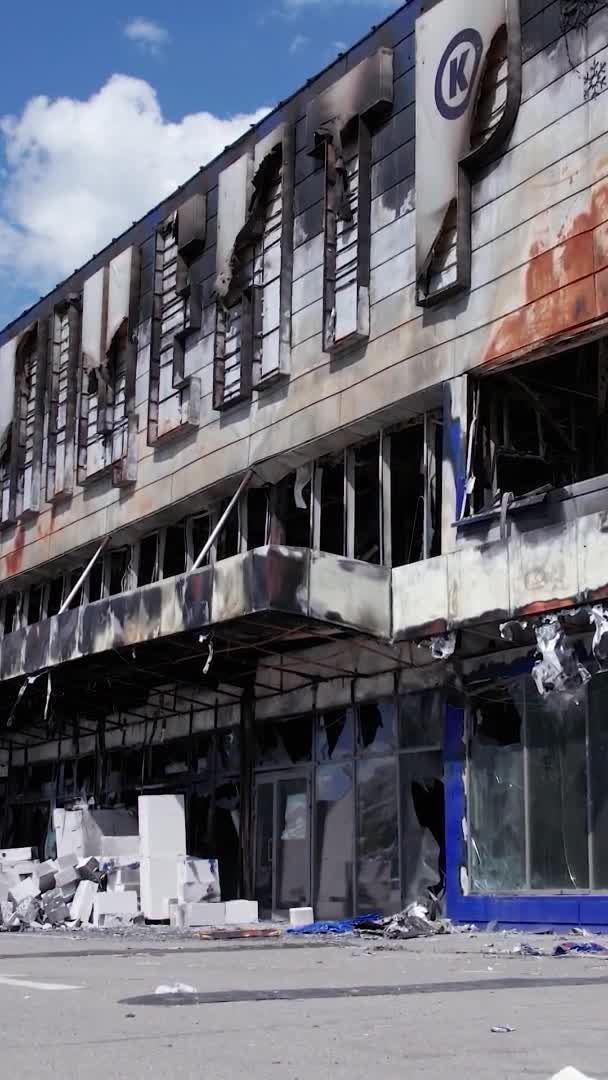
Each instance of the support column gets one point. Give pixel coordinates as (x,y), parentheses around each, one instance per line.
(247,807)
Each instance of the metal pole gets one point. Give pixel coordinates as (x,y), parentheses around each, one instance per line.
(222,521)
(83,576)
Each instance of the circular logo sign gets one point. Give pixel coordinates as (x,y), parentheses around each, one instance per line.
(457,73)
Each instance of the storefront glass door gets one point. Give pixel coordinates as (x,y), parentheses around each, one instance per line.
(282,841)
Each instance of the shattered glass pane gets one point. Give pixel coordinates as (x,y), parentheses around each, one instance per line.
(496,792)
(334,839)
(422,825)
(598,754)
(335,735)
(421,720)
(557,791)
(376,728)
(377,837)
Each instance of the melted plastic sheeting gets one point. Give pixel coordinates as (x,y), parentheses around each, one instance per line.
(559,668)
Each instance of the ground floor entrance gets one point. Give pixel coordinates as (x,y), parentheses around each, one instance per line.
(282,841)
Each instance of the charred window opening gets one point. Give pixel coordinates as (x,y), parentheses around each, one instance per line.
(117,571)
(257,518)
(148,570)
(63,386)
(70,582)
(35,604)
(346,266)
(538,426)
(55,596)
(200,531)
(407,495)
(228,539)
(174,397)
(367,539)
(11,607)
(297,507)
(174,557)
(331,474)
(106,407)
(248,313)
(95,581)
(21,441)
(5,474)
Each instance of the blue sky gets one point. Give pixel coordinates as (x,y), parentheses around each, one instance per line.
(103,111)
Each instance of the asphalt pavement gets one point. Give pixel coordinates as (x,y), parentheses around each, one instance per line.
(86,1005)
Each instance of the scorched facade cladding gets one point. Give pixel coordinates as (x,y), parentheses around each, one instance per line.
(421,398)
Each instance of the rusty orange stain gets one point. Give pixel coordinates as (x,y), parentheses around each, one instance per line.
(566,286)
(539,607)
(14,558)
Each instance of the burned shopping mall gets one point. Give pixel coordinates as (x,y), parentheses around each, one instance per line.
(304,491)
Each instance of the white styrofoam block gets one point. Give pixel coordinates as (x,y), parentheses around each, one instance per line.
(114,904)
(11,856)
(241,912)
(113,846)
(45,876)
(26,869)
(162,826)
(301,916)
(158,885)
(9,877)
(25,890)
(67,861)
(205,914)
(82,904)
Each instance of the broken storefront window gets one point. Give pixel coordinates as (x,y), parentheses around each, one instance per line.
(537,801)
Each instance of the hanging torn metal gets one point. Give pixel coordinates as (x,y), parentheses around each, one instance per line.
(558,670)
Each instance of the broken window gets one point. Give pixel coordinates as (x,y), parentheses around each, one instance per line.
(148,569)
(35,604)
(367,535)
(199,528)
(346,263)
(54,596)
(333,893)
(413,456)
(538,426)
(376,728)
(296,508)
(21,440)
(330,482)
(11,612)
(174,396)
(339,125)
(108,424)
(535,803)
(174,555)
(254,264)
(257,517)
(228,539)
(63,384)
(422,826)
(335,734)
(106,408)
(118,571)
(378,877)
(94,581)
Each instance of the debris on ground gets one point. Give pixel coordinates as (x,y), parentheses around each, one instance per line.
(340,926)
(239,933)
(176,988)
(502,1029)
(570,1074)
(565,948)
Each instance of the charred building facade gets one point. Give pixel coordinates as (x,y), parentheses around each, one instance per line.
(304,489)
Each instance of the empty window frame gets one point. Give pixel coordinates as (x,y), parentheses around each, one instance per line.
(330,505)
(173,542)
(412,491)
(174,397)
(63,394)
(148,569)
(254,518)
(106,409)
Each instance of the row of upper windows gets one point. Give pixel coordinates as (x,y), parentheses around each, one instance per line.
(378,502)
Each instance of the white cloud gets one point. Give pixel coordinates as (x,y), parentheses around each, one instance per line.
(79,172)
(147,34)
(298,43)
